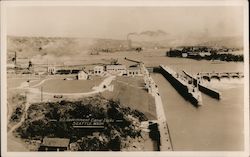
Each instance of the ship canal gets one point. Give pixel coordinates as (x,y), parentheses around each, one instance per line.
(216,125)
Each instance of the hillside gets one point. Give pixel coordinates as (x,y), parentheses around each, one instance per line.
(170,41)
(229,42)
(29,47)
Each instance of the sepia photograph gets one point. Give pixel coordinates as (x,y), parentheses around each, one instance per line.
(144,77)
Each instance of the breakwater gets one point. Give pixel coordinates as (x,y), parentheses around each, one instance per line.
(187,91)
(160,132)
(211,92)
(205,89)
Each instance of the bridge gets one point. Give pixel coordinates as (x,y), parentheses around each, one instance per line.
(218,75)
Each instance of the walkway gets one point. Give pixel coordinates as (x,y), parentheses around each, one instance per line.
(166,144)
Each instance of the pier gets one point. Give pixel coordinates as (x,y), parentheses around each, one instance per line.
(203,88)
(165,143)
(189,92)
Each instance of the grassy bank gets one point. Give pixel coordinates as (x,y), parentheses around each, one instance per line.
(131,93)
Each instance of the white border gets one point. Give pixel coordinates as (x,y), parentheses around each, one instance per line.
(145,3)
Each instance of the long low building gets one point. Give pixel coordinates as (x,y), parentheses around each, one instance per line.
(116,69)
(65,69)
(54,144)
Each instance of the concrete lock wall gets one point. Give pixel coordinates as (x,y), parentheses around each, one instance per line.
(209,92)
(181,89)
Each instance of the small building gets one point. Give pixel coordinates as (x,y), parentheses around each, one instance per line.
(52,70)
(134,71)
(203,54)
(193,54)
(184,55)
(82,75)
(54,144)
(117,69)
(98,70)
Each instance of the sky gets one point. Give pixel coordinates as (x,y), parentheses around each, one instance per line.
(117,22)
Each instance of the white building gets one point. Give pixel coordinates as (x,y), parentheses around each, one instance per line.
(184,55)
(116,69)
(203,54)
(134,71)
(82,75)
(98,70)
(51,70)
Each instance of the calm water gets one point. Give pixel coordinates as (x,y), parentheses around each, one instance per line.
(217,125)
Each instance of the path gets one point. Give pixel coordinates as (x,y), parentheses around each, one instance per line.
(35,94)
(27,105)
(36,85)
(166,144)
(13,142)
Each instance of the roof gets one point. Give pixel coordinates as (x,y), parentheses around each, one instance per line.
(82,72)
(134,68)
(116,65)
(98,66)
(55,142)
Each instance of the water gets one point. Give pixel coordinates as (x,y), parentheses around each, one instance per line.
(215,126)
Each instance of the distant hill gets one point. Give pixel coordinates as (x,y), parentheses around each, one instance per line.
(154,33)
(159,38)
(28,47)
(229,42)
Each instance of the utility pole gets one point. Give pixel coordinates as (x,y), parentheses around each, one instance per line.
(47,67)
(41,94)
(15,59)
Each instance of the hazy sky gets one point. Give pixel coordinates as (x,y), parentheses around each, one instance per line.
(116,22)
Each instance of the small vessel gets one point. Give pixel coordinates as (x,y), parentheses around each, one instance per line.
(189,91)
(196,95)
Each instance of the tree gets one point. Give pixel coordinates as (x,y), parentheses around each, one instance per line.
(30,65)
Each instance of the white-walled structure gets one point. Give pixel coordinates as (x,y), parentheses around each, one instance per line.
(82,75)
(98,70)
(52,70)
(116,69)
